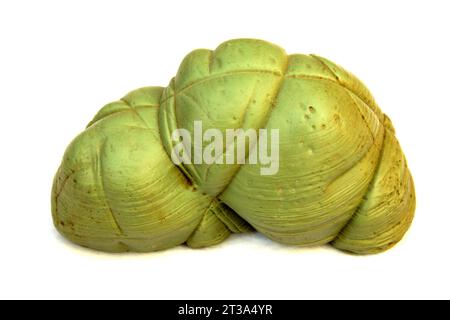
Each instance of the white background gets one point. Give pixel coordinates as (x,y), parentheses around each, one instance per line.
(60,61)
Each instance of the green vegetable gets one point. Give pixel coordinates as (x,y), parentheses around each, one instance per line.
(342,177)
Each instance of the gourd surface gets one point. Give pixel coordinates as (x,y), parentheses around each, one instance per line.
(342,178)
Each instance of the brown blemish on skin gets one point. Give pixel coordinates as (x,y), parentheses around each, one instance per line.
(336,117)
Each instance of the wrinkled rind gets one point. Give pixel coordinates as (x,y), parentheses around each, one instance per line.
(117,190)
(342,179)
(387,210)
(329,148)
(232,87)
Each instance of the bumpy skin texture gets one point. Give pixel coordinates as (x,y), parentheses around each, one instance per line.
(343,178)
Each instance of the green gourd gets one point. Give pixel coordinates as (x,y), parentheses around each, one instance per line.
(342,177)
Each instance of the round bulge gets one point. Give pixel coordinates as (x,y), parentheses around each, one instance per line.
(334,154)
(117,189)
